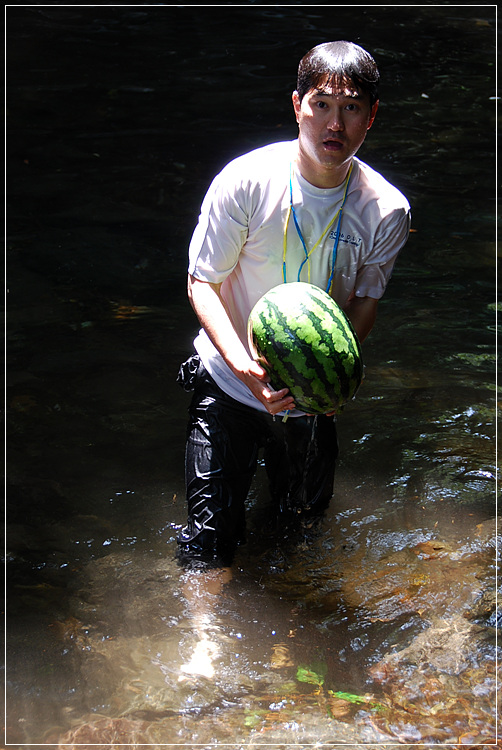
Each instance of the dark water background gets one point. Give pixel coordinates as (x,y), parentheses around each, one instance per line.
(118,118)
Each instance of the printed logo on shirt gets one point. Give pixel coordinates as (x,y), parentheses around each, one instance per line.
(349,239)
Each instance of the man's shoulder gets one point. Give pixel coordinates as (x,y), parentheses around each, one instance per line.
(380,187)
(256,171)
(269,155)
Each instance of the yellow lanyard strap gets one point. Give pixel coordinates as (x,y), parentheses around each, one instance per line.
(291,210)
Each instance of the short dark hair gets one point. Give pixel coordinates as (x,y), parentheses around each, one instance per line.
(333,62)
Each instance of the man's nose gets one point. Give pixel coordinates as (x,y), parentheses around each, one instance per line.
(336,120)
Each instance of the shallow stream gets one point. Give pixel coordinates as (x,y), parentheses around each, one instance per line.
(375,626)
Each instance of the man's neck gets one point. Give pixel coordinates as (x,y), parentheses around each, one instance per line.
(325,181)
(325,178)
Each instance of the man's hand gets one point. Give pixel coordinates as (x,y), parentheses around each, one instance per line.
(257,381)
(209,307)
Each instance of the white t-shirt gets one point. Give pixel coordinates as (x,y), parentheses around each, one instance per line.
(239,240)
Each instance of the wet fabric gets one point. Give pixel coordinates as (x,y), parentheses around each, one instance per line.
(242,243)
(224,438)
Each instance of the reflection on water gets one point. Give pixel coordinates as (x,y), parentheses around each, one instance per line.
(375,625)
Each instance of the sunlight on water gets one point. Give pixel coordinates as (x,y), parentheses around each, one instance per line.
(373,625)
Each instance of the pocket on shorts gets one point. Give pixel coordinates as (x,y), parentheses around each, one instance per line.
(187,373)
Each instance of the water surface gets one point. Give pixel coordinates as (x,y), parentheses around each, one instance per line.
(376,625)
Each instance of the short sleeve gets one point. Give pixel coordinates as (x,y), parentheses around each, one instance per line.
(374,274)
(221,231)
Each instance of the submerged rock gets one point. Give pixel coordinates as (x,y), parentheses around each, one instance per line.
(434,577)
(429,685)
(447,646)
(106,732)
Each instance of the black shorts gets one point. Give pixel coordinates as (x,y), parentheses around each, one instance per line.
(224,438)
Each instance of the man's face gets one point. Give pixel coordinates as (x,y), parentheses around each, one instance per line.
(333,122)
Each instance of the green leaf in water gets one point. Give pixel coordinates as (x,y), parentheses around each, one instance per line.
(253,717)
(314,674)
(351,698)
(348,696)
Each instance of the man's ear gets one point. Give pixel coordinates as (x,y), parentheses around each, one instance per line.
(373,113)
(296,104)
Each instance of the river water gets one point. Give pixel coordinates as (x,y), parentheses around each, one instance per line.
(376,626)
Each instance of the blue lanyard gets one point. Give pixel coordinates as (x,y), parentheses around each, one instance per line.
(300,235)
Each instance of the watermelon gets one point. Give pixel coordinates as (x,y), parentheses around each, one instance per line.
(306,343)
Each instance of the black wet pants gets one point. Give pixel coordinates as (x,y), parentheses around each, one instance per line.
(224,438)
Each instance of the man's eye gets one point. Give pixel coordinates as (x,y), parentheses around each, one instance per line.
(321,105)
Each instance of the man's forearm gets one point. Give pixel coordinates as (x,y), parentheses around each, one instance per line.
(362,312)
(209,307)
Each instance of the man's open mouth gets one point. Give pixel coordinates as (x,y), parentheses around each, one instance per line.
(332,144)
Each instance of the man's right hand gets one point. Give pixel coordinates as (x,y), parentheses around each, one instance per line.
(257,380)
(208,304)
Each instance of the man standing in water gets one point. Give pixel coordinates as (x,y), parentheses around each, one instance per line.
(350,223)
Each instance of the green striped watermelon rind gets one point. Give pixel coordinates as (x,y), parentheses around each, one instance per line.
(314,351)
